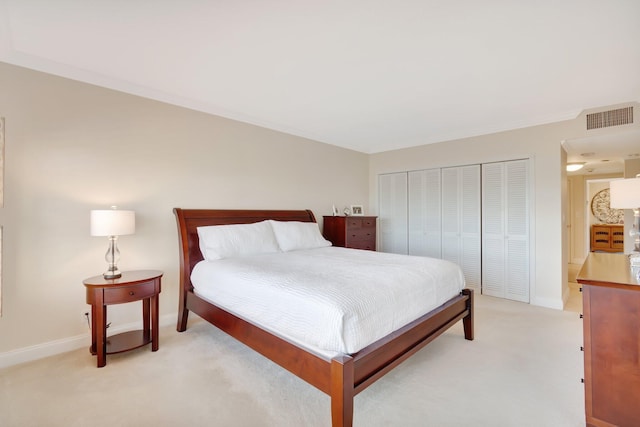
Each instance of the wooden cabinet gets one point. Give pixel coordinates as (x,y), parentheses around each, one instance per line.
(607,238)
(356,232)
(611,304)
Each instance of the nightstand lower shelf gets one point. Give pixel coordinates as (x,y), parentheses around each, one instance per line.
(125,341)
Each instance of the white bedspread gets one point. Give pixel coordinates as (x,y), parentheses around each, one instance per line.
(328,300)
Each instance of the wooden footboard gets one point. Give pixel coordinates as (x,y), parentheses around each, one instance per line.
(362,369)
(345,375)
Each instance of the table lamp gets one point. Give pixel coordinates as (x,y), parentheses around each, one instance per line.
(625,194)
(112,223)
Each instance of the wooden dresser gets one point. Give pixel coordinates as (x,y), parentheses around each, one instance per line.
(607,238)
(611,305)
(356,232)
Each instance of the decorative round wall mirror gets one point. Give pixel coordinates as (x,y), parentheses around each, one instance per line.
(600,206)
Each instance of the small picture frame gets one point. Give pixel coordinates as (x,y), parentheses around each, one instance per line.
(357,210)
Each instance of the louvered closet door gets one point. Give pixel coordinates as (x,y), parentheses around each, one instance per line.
(451,215)
(505,230)
(424,213)
(470,226)
(461,220)
(392,213)
(493,235)
(517,248)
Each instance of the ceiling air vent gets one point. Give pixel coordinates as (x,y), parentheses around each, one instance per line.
(605,119)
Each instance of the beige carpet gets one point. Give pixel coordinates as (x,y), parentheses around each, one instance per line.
(574,302)
(523,369)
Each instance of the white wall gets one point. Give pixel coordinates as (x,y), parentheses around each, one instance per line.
(73,147)
(542,145)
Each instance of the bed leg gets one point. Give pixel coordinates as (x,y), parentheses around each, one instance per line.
(342,391)
(183,313)
(467,321)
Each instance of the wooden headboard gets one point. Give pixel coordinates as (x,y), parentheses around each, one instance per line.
(190,219)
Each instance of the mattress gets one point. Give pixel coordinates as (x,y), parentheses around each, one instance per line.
(328,300)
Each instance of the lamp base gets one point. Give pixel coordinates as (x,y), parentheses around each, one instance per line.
(112,274)
(112,257)
(634,259)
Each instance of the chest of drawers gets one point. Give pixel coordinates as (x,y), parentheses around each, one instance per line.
(356,232)
(611,304)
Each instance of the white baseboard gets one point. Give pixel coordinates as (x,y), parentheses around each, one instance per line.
(555,303)
(51,348)
(566,292)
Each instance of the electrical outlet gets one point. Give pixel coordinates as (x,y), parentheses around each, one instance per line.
(86,317)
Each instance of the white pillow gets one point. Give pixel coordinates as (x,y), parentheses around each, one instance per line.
(236,240)
(295,235)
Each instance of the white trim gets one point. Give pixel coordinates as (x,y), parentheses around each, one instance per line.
(51,348)
(578,261)
(533,256)
(555,303)
(566,293)
(39,351)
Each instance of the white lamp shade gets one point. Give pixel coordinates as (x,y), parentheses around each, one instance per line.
(112,222)
(625,193)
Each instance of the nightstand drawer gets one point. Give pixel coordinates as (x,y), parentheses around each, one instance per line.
(128,293)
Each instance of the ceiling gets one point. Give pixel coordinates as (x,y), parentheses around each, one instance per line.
(603,154)
(368,75)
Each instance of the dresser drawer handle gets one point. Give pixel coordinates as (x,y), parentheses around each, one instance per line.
(132,293)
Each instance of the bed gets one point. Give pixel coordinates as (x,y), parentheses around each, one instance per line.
(340,374)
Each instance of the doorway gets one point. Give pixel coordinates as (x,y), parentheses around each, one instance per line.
(581,189)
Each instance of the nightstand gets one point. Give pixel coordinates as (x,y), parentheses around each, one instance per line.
(356,232)
(132,286)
